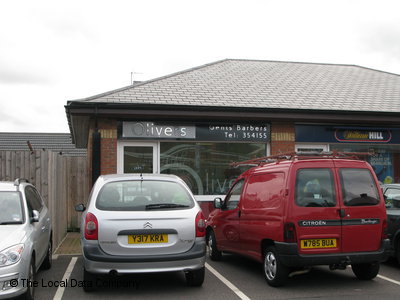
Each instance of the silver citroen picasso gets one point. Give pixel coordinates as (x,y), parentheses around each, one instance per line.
(141,223)
(25,238)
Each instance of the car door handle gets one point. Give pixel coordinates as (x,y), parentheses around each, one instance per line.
(44,228)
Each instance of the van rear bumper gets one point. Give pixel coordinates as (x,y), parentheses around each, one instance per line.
(289,256)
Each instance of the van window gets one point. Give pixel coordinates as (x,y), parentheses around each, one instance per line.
(358,187)
(264,191)
(315,188)
(232,199)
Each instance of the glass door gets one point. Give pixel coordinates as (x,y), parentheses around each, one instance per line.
(137,157)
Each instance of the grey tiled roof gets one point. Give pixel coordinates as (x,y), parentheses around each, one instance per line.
(57,142)
(268,84)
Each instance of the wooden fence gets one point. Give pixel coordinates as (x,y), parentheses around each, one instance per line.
(61,180)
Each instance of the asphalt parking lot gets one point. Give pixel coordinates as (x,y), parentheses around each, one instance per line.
(232,278)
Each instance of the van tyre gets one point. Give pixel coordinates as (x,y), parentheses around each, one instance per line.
(213,251)
(366,271)
(195,277)
(275,272)
(89,281)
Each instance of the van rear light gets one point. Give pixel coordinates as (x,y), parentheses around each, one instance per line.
(200,225)
(91,227)
(290,233)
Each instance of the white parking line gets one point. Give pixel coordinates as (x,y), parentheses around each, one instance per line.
(67,274)
(229,284)
(388,279)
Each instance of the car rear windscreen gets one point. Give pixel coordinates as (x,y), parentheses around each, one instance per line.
(141,195)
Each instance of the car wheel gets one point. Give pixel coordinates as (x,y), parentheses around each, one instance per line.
(213,251)
(195,277)
(48,260)
(397,249)
(30,292)
(89,281)
(366,271)
(275,272)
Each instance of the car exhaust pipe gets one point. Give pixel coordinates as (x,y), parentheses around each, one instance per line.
(113,273)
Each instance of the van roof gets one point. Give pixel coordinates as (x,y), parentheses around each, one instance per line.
(295,156)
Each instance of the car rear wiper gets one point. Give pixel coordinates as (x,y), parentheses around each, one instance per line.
(165,205)
(10,222)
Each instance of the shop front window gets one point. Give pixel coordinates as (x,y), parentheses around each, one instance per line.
(384,159)
(205,166)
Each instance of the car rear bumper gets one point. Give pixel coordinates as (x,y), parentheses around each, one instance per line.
(97,261)
(289,256)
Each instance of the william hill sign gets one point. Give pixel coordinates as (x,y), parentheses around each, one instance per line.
(346,135)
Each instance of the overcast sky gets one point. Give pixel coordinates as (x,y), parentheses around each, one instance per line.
(59,50)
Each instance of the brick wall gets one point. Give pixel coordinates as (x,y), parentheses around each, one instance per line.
(108,132)
(282,138)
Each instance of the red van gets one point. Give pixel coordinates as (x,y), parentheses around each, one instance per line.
(300,212)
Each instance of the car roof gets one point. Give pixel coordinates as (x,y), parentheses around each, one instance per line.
(7,186)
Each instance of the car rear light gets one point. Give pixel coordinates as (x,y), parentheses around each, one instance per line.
(200,225)
(290,233)
(91,227)
(384,229)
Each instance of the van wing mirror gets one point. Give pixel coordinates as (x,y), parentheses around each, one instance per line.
(218,202)
(80,207)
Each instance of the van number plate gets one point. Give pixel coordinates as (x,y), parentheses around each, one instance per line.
(318,243)
(147,238)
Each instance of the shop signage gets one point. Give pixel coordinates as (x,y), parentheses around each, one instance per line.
(157,131)
(211,132)
(331,134)
(371,136)
(233,132)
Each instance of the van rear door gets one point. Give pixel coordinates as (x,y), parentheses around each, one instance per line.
(363,211)
(315,210)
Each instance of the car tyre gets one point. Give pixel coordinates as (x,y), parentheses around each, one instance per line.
(397,250)
(213,251)
(275,272)
(195,277)
(89,281)
(48,260)
(30,292)
(366,271)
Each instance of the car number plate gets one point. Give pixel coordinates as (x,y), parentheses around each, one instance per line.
(147,238)
(318,243)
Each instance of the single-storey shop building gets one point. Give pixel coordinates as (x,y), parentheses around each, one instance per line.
(196,122)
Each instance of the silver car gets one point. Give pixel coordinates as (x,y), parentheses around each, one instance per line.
(141,223)
(25,238)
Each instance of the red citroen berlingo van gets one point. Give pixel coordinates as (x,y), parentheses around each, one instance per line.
(299,212)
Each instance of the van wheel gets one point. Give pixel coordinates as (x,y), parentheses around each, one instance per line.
(275,272)
(213,251)
(366,271)
(89,281)
(195,277)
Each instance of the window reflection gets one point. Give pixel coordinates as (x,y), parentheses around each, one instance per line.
(205,167)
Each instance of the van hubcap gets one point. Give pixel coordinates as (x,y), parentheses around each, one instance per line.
(270,265)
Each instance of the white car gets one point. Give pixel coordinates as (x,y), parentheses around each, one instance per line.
(141,223)
(25,243)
